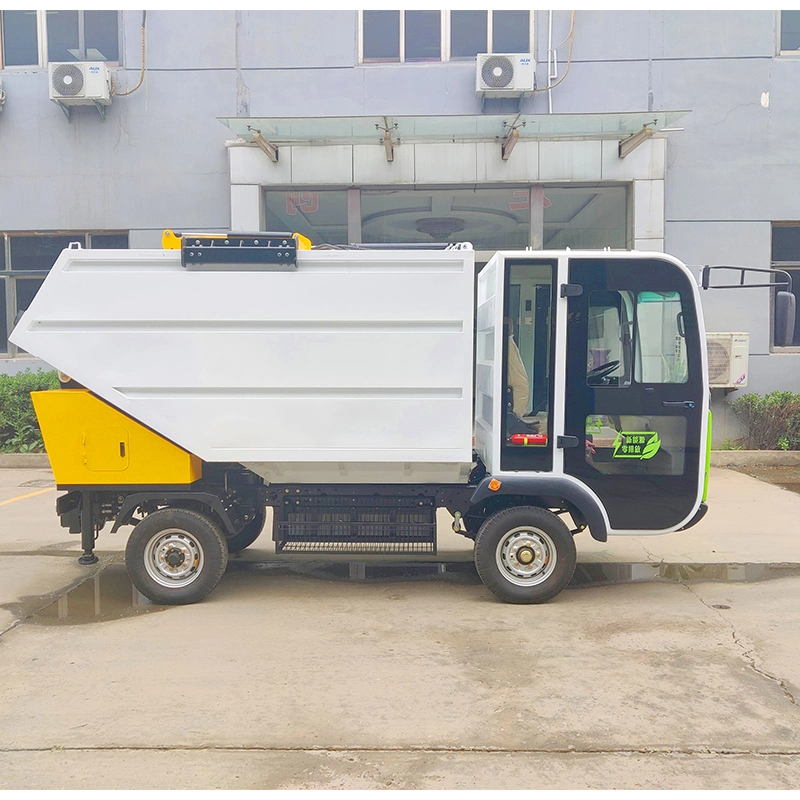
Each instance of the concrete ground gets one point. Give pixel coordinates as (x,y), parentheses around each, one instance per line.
(289,679)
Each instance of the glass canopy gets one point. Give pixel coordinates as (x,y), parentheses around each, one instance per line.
(359,130)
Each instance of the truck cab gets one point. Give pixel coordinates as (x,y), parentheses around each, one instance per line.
(590,368)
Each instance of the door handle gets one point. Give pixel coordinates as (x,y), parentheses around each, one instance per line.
(678,403)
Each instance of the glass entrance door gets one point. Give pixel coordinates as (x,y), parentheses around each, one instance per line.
(634,390)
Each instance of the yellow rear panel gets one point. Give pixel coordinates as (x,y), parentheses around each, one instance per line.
(91,443)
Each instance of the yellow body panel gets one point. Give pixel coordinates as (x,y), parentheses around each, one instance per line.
(91,444)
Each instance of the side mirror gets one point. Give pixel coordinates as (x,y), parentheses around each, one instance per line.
(785,303)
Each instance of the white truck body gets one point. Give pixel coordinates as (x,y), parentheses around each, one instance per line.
(356,367)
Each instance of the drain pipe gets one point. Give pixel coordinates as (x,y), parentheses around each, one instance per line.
(552,60)
(552,63)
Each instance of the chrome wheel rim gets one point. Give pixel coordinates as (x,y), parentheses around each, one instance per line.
(526,556)
(173,558)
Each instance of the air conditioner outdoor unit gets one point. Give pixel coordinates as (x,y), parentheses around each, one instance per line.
(80,83)
(505,75)
(728,355)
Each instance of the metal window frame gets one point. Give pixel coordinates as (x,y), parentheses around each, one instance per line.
(42,42)
(445,32)
(11,277)
(788,266)
(778,50)
(489,34)
(38,44)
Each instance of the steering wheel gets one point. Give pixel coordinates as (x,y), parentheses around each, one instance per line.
(603,371)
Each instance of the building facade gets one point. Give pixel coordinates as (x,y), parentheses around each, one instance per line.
(664,131)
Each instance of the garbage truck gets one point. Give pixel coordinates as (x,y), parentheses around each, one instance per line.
(356,390)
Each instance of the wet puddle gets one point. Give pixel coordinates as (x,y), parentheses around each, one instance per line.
(38,483)
(107,596)
(110,595)
(600,574)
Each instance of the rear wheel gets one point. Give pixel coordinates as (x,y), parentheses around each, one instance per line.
(525,554)
(175,556)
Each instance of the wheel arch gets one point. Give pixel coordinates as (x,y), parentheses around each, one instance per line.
(199,502)
(544,492)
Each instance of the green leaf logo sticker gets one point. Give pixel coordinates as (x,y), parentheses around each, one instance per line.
(652,447)
(641,445)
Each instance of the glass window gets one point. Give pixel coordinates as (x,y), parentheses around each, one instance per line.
(423,35)
(786,243)
(636,445)
(511,31)
(491,219)
(82,35)
(20,39)
(527,344)
(609,347)
(586,217)
(26,291)
(28,254)
(651,337)
(31,253)
(381,35)
(468,33)
(101,35)
(786,256)
(63,38)
(790,30)
(109,241)
(321,216)
(3,320)
(661,339)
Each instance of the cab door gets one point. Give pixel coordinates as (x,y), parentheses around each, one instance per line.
(635,393)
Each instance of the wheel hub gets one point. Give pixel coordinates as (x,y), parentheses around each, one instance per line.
(526,556)
(173,558)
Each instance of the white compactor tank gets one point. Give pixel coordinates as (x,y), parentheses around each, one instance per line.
(354,367)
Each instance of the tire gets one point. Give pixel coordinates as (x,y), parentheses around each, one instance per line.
(197,546)
(248,534)
(508,538)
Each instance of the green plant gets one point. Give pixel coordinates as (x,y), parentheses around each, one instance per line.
(19,428)
(772,420)
(729,444)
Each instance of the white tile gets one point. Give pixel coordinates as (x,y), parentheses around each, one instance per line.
(449,162)
(649,245)
(246,208)
(570,161)
(251,165)
(370,164)
(648,209)
(318,164)
(646,162)
(522,164)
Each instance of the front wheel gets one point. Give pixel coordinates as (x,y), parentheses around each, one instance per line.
(525,554)
(175,556)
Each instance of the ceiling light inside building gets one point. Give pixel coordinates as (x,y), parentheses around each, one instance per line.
(439,227)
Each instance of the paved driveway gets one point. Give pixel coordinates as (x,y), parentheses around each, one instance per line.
(293,678)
